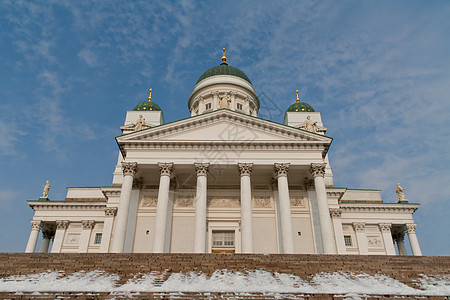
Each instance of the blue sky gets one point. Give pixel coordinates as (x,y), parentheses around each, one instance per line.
(378,71)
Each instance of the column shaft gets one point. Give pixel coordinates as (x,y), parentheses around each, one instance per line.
(159,239)
(120,228)
(326,228)
(287,235)
(413,241)
(200,215)
(46,237)
(34,234)
(246,208)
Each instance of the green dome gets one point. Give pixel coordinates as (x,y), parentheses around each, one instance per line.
(224,69)
(301,106)
(147,105)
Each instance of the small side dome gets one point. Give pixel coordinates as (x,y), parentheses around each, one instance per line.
(300,106)
(147,105)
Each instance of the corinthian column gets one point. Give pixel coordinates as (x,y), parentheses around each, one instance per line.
(399,239)
(159,239)
(200,208)
(129,170)
(326,228)
(287,236)
(413,241)
(47,235)
(246,208)
(32,240)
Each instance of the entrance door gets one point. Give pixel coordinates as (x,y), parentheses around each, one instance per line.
(223,241)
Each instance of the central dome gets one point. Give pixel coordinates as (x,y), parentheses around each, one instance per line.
(224,69)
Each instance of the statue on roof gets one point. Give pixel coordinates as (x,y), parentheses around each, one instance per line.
(46,189)
(310,125)
(139,123)
(400,195)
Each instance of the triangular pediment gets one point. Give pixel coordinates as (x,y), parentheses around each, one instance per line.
(223,126)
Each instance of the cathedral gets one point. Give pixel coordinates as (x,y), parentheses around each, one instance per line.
(223,180)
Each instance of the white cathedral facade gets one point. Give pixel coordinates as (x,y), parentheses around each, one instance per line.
(223,180)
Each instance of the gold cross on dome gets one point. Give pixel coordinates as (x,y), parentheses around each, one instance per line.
(298,99)
(150,96)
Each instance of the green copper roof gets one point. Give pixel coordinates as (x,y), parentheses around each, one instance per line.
(224,69)
(301,106)
(147,105)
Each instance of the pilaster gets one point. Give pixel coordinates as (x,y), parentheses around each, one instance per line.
(385,229)
(360,230)
(61,227)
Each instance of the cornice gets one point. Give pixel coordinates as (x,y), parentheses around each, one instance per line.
(36,205)
(111,192)
(379,208)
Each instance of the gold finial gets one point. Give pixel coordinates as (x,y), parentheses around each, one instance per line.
(224,58)
(298,99)
(150,96)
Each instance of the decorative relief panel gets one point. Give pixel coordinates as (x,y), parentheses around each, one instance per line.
(184,202)
(148,201)
(374,242)
(262,202)
(223,201)
(297,202)
(72,239)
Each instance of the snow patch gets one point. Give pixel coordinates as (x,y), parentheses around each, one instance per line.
(223,281)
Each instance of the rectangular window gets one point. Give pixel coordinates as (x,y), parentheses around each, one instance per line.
(208,106)
(98,238)
(348,240)
(223,238)
(240,106)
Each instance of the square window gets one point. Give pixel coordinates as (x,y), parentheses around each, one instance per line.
(208,106)
(348,240)
(240,106)
(98,238)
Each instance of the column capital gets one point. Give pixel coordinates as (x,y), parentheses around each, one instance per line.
(317,169)
(88,224)
(398,236)
(138,183)
(335,212)
(166,169)
(281,169)
(359,226)
(385,227)
(35,224)
(62,224)
(201,169)
(411,228)
(110,211)
(245,169)
(129,168)
(48,234)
